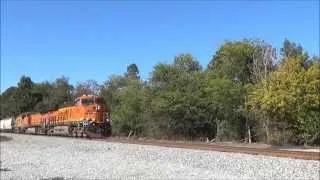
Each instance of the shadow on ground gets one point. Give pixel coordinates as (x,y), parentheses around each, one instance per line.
(5,138)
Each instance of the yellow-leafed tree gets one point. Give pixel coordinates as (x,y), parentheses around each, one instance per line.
(288,103)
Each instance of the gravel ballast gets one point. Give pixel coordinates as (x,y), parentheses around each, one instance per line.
(41,157)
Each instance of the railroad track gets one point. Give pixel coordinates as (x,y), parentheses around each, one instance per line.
(214,147)
(224,148)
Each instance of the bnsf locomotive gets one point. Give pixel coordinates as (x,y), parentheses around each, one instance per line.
(89,116)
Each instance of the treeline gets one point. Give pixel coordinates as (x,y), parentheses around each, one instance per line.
(248,92)
(43,97)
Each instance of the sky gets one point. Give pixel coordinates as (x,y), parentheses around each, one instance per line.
(85,40)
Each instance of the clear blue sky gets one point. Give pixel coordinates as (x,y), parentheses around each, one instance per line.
(92,40)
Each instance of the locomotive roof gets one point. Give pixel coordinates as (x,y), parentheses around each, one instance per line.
(86,96)
(26,113)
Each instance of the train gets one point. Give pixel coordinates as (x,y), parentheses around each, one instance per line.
(6,125)
(89,116)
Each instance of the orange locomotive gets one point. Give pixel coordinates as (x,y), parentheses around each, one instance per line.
(89,116)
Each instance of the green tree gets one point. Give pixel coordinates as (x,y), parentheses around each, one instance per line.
(225,98)
(234,66)
(125,95)
(232,61)
(8,103)
(24,95)
(132,71)
(186,62)
(61,93)
(179,103)
(110,89)
(128,116)
(44,90)
(293,50)
(87,87)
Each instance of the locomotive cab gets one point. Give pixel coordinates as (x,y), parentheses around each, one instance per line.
(95,107)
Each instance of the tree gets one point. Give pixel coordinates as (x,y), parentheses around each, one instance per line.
(289,102)
(87,87)
(186,62)
(178,104)
(44,90)
(24,96)
(110,89)
(225,97)
(125,96)
(308,125)
(264,55)
(132,71)
(8,103)
(232,61)
(293,50)
(232,69)
(160,76)
(61,93)
(128,116)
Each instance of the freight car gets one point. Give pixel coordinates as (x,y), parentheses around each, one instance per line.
(89,116)
(6,124)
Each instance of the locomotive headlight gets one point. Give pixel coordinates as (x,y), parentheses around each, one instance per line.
(98,107)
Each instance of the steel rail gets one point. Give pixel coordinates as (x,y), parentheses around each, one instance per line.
(306,155)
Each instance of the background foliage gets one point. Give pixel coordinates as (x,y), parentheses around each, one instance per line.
(246,93)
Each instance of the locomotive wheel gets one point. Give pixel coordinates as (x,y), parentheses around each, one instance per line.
(74,133)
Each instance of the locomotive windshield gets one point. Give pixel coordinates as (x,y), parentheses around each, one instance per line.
(100,101)
(87,102)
